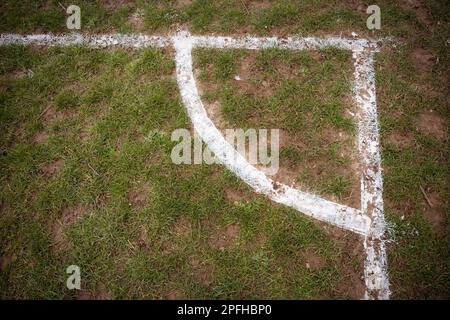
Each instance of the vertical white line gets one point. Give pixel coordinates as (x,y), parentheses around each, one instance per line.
(375,266)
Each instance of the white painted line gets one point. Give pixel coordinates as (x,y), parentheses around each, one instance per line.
(375,266)
(309,204)
(99,41)
(290,43)
(367,221)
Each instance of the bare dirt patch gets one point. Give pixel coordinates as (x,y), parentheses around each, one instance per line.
(431,123)
(5,261)
(174,295)
(182,226)
(259,241)
(203,272)
(225,237)
(69,215)
(52,168)
(59,240)
(214,111)
(114,4)
(49,114)
(136,20)
(234,195)
(423,60)
(101,294)
(351,261)
(72,214)
(41,137)
(258,4)
(139,197)
(183,3)
(142,239)
(402,140)
(313,261)
(432,211)
(420,10)
(358,5)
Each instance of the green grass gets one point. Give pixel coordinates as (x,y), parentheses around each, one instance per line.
(305,94)
(115,101)
(102,109)
(418,258)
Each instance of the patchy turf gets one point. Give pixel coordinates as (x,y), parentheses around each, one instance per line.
(307,95)
(86,179)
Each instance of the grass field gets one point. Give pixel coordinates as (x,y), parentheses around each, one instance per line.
(86,176)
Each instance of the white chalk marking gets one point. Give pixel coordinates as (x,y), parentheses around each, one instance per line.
(367,221)
(375,266)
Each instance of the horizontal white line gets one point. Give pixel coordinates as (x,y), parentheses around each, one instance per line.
(141,40)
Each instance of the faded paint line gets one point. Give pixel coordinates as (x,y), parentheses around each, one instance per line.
(375,268)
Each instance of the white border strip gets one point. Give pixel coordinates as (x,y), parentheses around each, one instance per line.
(98,41)
(375,267)
(368,221)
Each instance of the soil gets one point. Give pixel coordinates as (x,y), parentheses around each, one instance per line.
(431,123)
(423,60)
(139,198)
(351,261)
(313,261)
(225,237)
(52,168)
(402,140)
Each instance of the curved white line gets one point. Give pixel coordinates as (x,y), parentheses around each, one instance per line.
(309,204)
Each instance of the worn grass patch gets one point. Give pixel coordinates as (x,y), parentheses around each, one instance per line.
(306,94)
(74,123)
(86,179)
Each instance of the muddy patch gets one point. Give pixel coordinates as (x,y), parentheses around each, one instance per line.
(136,20)
(69,215)
(142,238)
(422,13)
(258,5)
(182,3)
(48,115)
(5,262)
(59,240)
(257,242)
